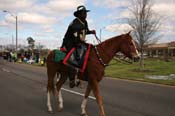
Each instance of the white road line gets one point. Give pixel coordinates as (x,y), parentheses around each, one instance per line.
(70,91)
(5,70)
(77,93)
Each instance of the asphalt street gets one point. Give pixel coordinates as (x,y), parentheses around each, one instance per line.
(23,93)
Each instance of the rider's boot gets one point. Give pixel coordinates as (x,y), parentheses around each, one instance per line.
(71,75)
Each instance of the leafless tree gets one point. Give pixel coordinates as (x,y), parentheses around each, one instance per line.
(145,24)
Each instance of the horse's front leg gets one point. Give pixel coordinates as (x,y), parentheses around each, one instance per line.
(84,102)
(58,91)
(96,91)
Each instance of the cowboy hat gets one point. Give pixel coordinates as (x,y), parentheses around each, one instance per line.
(80,9)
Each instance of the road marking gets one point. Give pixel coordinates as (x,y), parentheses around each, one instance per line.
(5,70)
(77,93)
(70,91)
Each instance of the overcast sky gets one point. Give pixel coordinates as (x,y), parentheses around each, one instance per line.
(47,20)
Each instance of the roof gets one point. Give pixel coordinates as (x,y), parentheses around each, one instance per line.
(161,45)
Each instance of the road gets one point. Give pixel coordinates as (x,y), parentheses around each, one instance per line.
(23,93)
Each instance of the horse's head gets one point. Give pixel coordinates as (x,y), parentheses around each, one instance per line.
(128,47)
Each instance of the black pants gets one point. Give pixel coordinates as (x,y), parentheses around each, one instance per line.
(72,72)
(78,51)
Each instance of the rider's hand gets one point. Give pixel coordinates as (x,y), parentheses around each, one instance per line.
(93,32)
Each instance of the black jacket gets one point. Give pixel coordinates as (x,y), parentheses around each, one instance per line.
(75,32)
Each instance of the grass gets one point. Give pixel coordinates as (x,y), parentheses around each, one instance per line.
(133,72)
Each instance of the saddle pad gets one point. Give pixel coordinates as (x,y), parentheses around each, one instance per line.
(59,55)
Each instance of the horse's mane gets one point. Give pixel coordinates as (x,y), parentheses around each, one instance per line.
(110,40)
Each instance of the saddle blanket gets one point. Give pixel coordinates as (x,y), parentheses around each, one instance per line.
(69,58)
(59,55)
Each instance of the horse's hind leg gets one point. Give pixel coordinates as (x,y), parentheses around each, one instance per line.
(59,84)
(50,88)
(49,106)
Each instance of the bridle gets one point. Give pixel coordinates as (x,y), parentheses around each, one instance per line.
(122,60)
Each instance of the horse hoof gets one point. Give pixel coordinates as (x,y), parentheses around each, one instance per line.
(50,112)
(60,109)
(84,115)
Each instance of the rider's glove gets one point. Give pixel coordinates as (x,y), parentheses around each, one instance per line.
(93,32)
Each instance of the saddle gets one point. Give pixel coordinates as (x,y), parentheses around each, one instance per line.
(70,59)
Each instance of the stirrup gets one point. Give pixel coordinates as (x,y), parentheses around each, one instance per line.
(72,84)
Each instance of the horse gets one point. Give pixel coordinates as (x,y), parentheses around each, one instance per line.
(99,56)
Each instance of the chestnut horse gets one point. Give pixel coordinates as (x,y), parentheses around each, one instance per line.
(100,55)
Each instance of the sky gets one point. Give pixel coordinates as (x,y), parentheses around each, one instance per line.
(46,21)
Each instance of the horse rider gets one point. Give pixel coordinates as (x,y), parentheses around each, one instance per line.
(75,36)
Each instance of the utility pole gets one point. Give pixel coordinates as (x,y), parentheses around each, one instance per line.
(12,42)
(101,32)
(16,18)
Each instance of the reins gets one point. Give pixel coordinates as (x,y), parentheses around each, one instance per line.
(98,40)
(99,58)
(122,60)
(115,57)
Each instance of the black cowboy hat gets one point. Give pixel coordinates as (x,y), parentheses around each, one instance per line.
(80,9)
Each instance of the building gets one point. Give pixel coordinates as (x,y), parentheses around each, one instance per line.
(161,50)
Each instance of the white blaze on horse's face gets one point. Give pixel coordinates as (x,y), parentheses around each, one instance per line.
(128,47)
(135,48)
(134,52)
